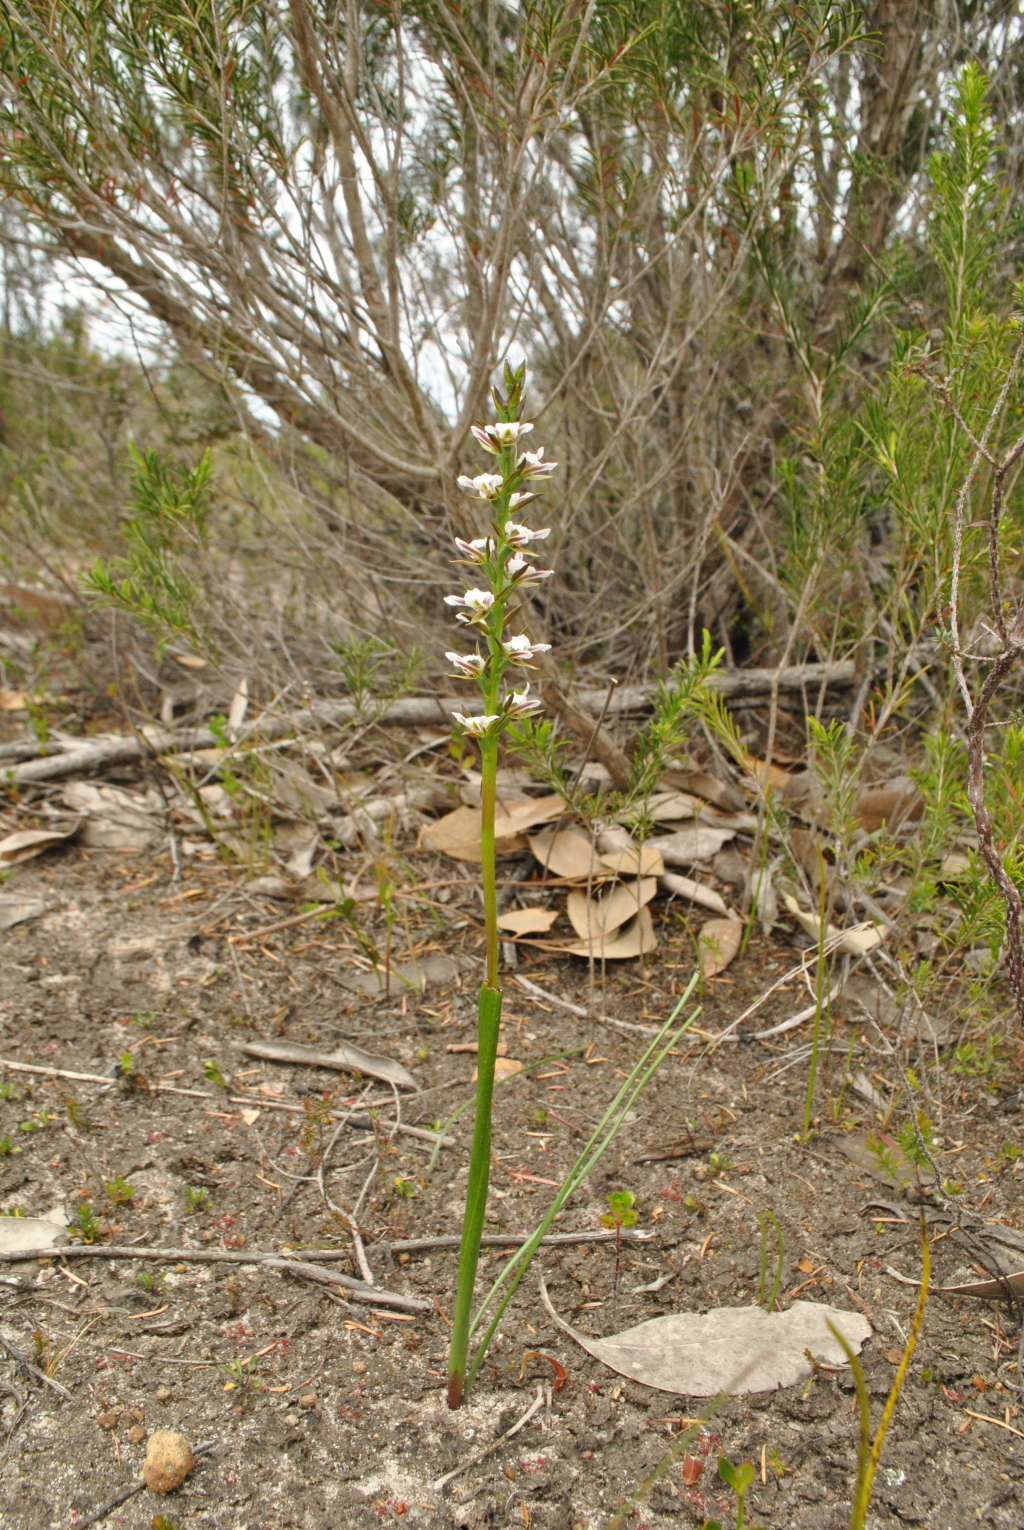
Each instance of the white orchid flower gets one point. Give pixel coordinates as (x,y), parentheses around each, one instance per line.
(480,433)
(477,726)
(506,432)
(471,665)
(520,650)
(532,464)
(520,703)
(520,572)
(476,602)
(515,500)
(477,551)
(484,485)
(522,536)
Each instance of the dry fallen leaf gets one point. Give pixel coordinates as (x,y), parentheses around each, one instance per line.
(695,842)
(30,842)
(458,834)
(667,807)
(630,862)
(567,853)
(15,910)
(528,921)
(634,939)
(250,1117)
(345,1058)
(729,1349)
(718,943)
(20,1233)
(854,941)
(685,887)
(769,775)
(596,918)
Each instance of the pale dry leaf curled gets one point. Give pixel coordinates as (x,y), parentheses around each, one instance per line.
(729,1349)
(668,807)
(854,941)
(528,921)
(636,938)
(31,842)
(593,918)
(686,887)
(345,1058)
(718,942)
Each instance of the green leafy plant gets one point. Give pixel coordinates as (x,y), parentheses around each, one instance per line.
(7,1147)
(86,1224)
(8,1091)
(213,1074)
(740,1479)
(764,1219)
(170,509)
(241,1373)
(870,1450)
(621,1213)
(119,1192)
(196,1200)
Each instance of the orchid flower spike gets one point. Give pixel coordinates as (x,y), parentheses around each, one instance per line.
(468,665)
(484,486)
(476,602)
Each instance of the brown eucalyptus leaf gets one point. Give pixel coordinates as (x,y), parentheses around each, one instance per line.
(596,918)
(458,833)
(737,1350)
(718,942)
(567,853)
(633,862)
(528,921)
(634,939)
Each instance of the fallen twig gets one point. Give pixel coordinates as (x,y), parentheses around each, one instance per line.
(577,1009)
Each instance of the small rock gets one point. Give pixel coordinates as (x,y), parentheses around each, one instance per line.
(168,1461)
(108,1420)
(291,1418)
(162,1394)
(307,1401)
(359,1366)
(136,1434)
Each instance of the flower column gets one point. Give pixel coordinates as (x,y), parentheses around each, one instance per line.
(503,559)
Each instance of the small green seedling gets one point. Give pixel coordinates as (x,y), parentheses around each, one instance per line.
(213,1075)
(720,1163)
(620,1214)
(86,1224)
(161,1522)
(240,1373)
(404,1187)
(7,1147)
(8,1091)
(196,1200)
(119,1191)
(740,1479)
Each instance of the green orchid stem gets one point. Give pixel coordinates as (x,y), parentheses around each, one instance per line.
(488,1027)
